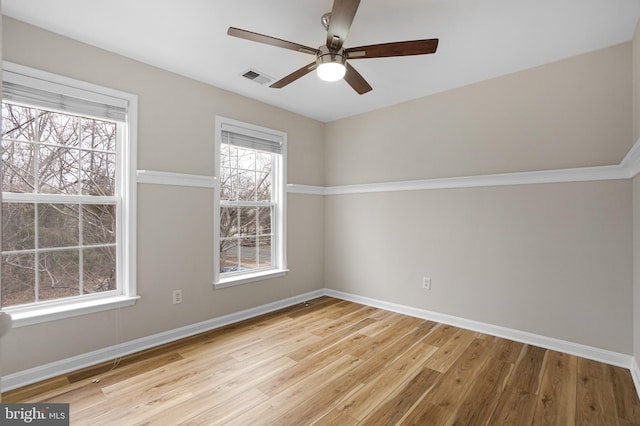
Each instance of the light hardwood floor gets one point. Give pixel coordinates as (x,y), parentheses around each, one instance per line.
(334,362)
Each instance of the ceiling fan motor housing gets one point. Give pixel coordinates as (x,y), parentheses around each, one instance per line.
(330,64)
(326,56)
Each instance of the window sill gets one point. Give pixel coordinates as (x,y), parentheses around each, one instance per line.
(249,278)
(23,318)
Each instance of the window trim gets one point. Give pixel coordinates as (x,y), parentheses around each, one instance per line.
(280,195)
(24,315)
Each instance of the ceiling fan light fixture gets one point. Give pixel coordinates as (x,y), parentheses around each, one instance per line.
(331,71)
(330,64)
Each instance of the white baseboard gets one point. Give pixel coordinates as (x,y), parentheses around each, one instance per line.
(47,371)
(635,374)
(596,354)
(33,375)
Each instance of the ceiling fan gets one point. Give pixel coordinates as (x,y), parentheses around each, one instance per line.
(331,58)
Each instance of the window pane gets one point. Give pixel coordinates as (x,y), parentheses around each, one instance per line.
(98,135)
(18,279)
(229,260)
(18,165)
(263,191)
(58,170)
(228,184)
(99,269)
(246,185)
(264,252)
(247,221)
(248,254)
(18,226)
(19,123)
(225,161)
(246,158)
(59,129)
(264,215)
(228,222)
(58,225)
(59,274)
(98,224)
(233,156)
(98,173)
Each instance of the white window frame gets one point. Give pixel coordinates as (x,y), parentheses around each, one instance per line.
(279,176)
(126,293)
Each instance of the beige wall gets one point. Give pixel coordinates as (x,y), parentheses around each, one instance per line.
(553,259)
(636,194)
(175,230)
(571,113)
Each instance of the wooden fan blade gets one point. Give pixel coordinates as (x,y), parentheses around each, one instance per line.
(401,48)
(261,38)
(356,81)
(341,18)
(294,76)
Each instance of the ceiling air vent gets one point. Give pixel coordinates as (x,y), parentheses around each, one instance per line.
(257,76)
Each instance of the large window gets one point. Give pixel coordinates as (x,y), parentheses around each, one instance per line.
(67,194)
(250,199)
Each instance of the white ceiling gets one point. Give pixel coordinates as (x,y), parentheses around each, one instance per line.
(478,40)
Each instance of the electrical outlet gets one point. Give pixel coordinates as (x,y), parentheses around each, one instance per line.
(426,283)
(177,296)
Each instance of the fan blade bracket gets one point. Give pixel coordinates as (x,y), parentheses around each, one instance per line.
(335,43)
(308,51)
(356,54)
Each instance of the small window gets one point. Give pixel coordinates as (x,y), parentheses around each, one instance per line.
(67,194)
(250,241)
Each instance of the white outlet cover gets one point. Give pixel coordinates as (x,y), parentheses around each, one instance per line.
(426,283)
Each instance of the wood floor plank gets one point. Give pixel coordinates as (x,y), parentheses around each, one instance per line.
(289,398)
(343,321)
(448,353)
(518,401)
(34,392)
(336,417)
(479,403)
(334,362)
(399,403)
(214,412)
(556,402)
(443,399)
(627,403)
(133,412)
(328,341)
(596,403)
(378,357)
(298,372)
(318,405)
(380,387)
(507,350)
